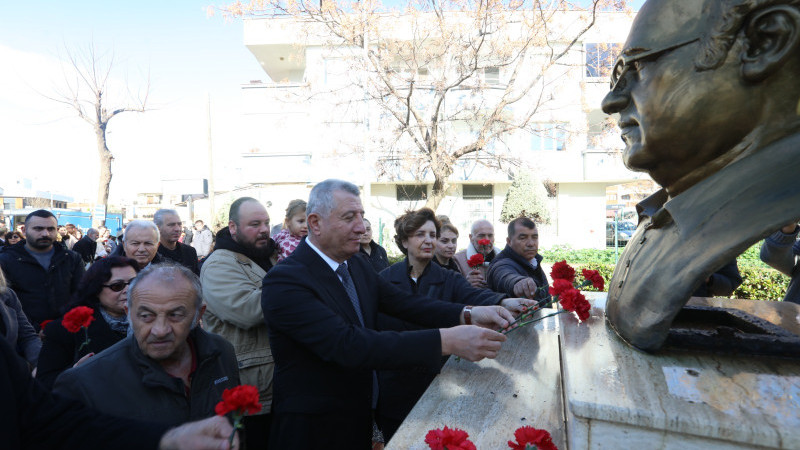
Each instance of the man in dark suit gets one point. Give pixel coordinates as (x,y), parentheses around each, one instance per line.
(321,307)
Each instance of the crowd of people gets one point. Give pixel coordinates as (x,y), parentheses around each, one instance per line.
(339,344)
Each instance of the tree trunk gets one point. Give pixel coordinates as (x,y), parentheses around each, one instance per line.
(439,189)
(105,167)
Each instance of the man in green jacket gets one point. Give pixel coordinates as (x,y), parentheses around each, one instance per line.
(231,278)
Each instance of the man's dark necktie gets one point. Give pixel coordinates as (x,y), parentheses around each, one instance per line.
(347,281)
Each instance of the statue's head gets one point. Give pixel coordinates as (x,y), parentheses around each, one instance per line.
(702,83)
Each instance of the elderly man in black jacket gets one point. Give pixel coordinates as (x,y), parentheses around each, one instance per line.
(31,418)
(517,270)
(42,272)
(87,245)
(169,371)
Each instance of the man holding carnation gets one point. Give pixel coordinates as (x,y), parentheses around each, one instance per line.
(169,370)
(481,242)
(517,270)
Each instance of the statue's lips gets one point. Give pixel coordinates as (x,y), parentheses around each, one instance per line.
(629,131)
(626,124)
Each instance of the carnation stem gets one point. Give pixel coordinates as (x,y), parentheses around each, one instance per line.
(525,315)
(528,322)
(86,340)
(237,425)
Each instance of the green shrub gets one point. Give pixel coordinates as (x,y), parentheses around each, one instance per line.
(761,284)
(759,281)
(525,198)
(395,258)
(574,257)
(606,270)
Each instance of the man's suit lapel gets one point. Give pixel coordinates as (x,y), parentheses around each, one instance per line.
(327,282)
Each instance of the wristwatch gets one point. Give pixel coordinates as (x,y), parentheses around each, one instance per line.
(468,315)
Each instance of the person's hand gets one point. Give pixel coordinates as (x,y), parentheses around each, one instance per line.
(475,278)
(470,342)
(525,287)
(517,305)
(789,229)
(83,360)
(492,317)
(208,434)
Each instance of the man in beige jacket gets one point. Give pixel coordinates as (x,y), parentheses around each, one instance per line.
(231,278)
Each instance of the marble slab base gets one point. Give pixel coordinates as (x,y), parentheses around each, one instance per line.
(492,398)
(617,397)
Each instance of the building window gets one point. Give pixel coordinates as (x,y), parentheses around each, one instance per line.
(477,191)
(491,75)
(600,59)
(411,192)
(549,137)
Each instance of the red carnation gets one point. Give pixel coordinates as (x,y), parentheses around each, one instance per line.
(595,277)
(563,271)
(475,260)
(241,400)
(77,318)
(531,436)
(484,242)
(559,286)
(448,439)
(573,300)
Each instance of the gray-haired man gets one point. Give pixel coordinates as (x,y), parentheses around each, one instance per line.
(140,242)
(321,306)
(169,370)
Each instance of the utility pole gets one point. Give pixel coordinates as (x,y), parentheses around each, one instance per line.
(212,210)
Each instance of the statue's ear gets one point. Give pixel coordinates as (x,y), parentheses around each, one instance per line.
(772,35)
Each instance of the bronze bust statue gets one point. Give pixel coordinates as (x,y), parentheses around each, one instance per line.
(708,93)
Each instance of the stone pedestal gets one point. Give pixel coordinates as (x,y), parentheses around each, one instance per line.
(617,397)
(492,398)
(590,390)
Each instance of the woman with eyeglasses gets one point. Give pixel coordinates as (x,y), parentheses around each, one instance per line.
(104,288)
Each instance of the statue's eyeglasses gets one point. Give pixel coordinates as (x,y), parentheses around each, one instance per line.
(624,63)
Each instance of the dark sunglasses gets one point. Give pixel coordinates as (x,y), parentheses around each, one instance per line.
(118,285)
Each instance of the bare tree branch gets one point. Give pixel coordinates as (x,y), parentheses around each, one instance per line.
(86,83)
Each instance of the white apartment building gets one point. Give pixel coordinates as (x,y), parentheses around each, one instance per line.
(307,121)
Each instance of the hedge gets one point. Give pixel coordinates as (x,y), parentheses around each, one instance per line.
(759,281)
